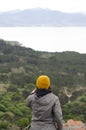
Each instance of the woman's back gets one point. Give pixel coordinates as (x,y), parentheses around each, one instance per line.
(43,111)
(46,109)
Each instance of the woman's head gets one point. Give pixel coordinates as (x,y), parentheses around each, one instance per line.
(43,82)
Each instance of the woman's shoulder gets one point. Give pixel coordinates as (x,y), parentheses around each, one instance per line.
(53,96)
(30,96)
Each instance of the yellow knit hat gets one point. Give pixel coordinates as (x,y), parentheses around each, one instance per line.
(43,82)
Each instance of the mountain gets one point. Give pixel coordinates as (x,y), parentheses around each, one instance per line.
(41,17)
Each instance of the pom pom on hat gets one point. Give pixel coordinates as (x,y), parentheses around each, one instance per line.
(43,82)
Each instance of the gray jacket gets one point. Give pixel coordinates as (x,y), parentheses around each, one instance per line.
(46,111)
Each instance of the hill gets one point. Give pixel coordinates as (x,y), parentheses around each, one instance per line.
(19,68)
(41,17)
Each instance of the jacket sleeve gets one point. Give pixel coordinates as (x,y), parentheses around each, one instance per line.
(28,101)
(58,114)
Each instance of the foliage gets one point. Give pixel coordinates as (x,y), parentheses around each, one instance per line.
(23,122)
(75,110)
(4,124)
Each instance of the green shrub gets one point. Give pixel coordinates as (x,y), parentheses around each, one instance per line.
(22,123)
(2,108)
(4,124)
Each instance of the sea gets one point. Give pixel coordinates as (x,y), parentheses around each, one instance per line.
(51,39)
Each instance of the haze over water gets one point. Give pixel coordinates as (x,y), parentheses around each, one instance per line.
(51,39)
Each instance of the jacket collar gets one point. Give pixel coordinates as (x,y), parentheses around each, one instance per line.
(42,92)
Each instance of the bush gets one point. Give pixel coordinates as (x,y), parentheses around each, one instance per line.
(12,88)
(2,108)
(4,124)
(24,122)
(16,111)
(1,114)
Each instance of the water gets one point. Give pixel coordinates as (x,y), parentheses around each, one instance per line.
(52,39)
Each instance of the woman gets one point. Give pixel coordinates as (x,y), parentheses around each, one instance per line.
(46,109)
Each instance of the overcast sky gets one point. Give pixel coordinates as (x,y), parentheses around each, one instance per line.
(61,5)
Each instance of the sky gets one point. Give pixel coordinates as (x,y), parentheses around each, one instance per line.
(61,5)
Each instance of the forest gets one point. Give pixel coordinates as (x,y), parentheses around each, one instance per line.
(19,68)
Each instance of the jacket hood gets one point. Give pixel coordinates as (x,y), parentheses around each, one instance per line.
(44,100)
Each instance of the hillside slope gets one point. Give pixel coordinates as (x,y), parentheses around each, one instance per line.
(19,68)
